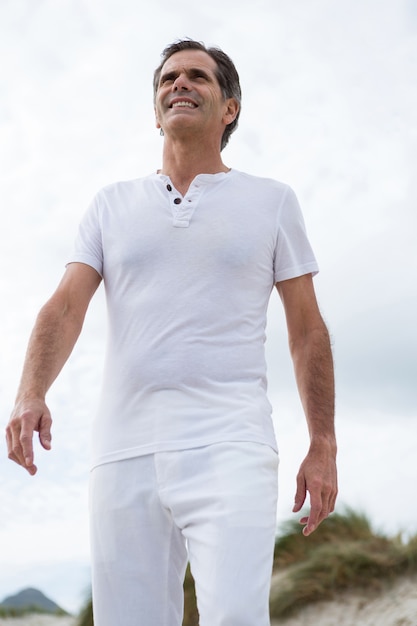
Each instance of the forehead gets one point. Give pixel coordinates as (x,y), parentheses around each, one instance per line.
(187,59)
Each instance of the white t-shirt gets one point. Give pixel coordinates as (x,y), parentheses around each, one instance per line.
(187,282)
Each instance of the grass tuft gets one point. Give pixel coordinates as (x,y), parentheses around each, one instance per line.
(343,554)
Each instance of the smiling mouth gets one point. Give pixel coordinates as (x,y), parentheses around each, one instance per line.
(183,104)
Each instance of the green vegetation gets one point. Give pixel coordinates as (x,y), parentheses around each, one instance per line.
(86,615)
(190,603)
(344,553)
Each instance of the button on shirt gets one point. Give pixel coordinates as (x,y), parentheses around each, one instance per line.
(183,207)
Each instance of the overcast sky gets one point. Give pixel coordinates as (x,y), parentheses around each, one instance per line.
(330,107)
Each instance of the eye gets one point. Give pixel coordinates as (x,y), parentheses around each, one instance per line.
(167,78)
(197,74)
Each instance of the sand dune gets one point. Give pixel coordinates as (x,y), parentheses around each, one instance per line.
(396,605)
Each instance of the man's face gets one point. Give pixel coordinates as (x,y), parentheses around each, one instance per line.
(189,96)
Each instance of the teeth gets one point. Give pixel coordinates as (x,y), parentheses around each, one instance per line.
(184,103)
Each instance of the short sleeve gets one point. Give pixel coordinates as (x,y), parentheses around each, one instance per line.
(294,255)
(88,245)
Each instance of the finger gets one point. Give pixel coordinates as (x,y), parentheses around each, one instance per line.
(19,435)
(31,469)
(13,443)
(317,512)
(45,436)
(327,503)
(311,524)
(14,458)
(26,441)
(18,459)
(9,442)
(27,448)
(300,494)
(333,500)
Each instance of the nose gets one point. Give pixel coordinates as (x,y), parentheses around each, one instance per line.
(181,83)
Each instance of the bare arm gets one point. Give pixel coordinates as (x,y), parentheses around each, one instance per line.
(55,333)
(313,365)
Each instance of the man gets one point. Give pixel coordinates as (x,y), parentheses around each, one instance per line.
(184,454)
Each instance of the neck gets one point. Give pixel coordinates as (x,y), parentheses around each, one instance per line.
(182,162)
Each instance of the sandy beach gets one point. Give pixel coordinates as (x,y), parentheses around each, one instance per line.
(396,606)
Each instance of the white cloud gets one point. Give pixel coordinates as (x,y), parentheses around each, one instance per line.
(330,106)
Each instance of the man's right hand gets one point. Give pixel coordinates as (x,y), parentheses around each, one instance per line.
(28,416)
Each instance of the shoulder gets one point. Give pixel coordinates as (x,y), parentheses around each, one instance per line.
(258,181)
(264,186)
(126,187)
(112,198)
(263,191)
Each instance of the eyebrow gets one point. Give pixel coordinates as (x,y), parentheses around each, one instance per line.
(192,72)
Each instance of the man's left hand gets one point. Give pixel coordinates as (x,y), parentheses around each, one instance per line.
(318,476)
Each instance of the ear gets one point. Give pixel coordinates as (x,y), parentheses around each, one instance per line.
(231,111)
(157,124)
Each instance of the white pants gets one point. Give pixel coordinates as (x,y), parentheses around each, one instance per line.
(215,506)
